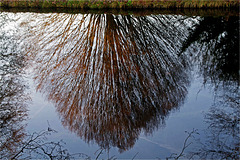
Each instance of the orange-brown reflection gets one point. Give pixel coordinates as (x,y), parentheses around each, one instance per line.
(111,76)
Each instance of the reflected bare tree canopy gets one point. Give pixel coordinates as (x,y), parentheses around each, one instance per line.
(13,109)
(223,130)
(111,76)
(214,45)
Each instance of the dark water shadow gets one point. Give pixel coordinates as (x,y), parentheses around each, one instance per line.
(213,46)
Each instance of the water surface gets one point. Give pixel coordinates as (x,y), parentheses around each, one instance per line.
(124,85)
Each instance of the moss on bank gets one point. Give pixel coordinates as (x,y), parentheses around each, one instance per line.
(121,4)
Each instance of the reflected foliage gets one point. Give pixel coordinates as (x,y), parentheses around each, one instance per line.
(218,61)
(218,40)
(111,76)
(12,92)
(223,133)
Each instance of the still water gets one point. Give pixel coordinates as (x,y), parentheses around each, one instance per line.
(119,84)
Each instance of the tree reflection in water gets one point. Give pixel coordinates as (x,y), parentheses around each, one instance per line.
(12,92)
(111,76)
(215,44)
(218,62)
(223,131)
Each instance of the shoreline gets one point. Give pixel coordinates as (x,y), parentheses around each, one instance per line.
(225,12)
(121,4)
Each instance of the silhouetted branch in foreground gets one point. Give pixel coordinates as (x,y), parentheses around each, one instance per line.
(186,144)
(223,131)
(38,146)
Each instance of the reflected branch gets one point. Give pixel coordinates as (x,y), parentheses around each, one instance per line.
(223,131)
(214,45)
(37,146)
(217,58)
(13,107)
(111,76)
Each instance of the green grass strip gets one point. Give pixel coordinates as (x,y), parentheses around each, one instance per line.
(120,4)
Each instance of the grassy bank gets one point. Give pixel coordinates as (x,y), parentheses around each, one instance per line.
(100,4)
(225,12)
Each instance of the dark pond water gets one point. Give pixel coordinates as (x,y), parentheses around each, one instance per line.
(119,84)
